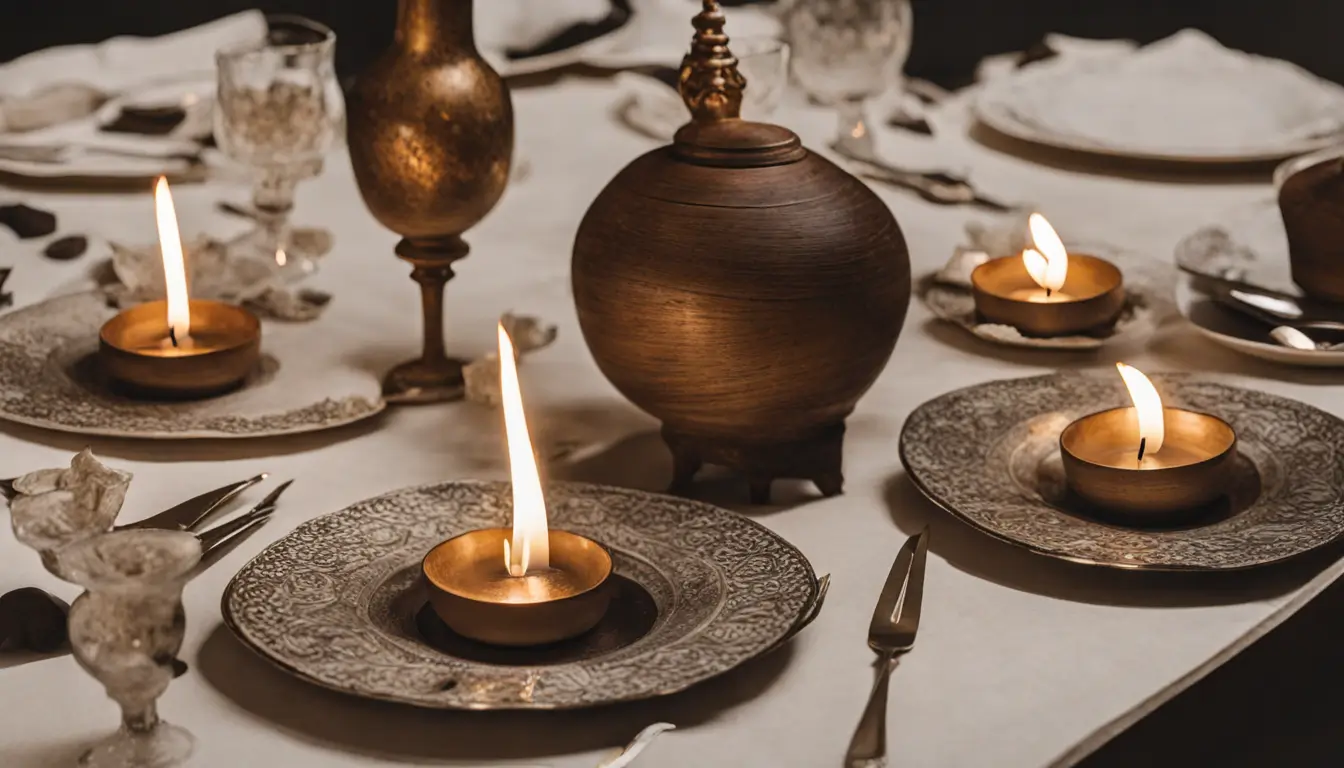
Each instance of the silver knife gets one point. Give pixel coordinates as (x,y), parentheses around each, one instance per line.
(1268,305)
(195,511)
(891,633)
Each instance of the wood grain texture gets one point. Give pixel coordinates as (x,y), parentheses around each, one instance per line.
(1312,204)
(750,305)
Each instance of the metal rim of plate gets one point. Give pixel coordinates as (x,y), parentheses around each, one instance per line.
(47,381)
(991,113)
(326,603)
(983,454)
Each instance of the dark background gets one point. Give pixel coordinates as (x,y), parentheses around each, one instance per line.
(1278,704)
(950,35)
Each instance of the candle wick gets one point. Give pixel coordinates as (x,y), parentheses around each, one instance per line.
(172,335)
(1143,445)
(1048,292)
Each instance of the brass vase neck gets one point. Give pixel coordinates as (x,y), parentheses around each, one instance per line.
(430,26)
(710,84)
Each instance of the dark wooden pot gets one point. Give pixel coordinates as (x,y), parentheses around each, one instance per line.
(743,290)
(1311,202)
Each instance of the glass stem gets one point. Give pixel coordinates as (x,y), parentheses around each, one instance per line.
(273,199)
(140,719)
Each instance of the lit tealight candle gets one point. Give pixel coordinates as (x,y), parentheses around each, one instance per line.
(548,586)
(1147,463)
(1048,291)
(180,346)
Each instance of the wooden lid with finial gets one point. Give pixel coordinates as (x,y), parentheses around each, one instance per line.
(712,87)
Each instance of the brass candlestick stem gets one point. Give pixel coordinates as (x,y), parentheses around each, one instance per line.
(431,139)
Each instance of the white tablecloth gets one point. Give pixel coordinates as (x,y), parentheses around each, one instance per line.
(1021,661)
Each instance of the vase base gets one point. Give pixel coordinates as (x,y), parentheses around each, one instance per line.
(815,457)
(421,381)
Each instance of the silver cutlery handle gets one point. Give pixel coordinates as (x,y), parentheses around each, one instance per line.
(868,748)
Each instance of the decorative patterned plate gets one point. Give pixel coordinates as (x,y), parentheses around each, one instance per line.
(338,602)
(50,378)
(947,294)
(989,454)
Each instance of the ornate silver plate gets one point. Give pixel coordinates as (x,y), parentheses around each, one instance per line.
(339,601)
(989,454)
(50,378)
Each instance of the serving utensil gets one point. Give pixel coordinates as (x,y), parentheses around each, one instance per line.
(940,187)
(1266,304)
(183,517)
(890,634)
(33,620)
(1288,336)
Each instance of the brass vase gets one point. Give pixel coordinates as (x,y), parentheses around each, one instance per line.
(431,139)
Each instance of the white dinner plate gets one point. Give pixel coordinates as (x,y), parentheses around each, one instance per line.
(1151,104)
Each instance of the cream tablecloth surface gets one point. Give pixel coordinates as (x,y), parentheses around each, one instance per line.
(1021,661)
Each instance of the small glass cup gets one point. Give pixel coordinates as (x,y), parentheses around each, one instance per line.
(764,62)
(279,110)
(126,630)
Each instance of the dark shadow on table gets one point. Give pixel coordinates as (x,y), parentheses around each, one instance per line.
(19,658)
(1275,704)
(986,557)
(403,733)
(639,459)
(1123,167)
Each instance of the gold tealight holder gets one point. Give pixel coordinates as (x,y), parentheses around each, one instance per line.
(136,350)
(523,585)
(1047,291)
(179,347)
(1107,464)
(472,590)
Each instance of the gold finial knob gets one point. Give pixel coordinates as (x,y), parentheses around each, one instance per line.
(710,84)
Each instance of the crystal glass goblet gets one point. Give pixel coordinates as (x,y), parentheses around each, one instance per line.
(126,630)
(279,110)
(846,52)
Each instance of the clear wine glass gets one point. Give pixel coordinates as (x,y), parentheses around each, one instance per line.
(279,110)
(125,631)
(846,52)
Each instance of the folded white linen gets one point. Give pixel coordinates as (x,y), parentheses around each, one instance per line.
(1186,92)
(58,84)
(502,25)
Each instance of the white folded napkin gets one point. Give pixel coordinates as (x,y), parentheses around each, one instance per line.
(1184,93)
(502,25)
(67,82)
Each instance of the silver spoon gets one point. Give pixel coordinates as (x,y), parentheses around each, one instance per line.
(1288,336)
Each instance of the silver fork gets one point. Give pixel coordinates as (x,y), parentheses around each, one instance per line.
(890,634)
(253,518)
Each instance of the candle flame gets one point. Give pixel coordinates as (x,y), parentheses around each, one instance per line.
(174,267)
(531,538)
(1047,262)
(1148,406)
